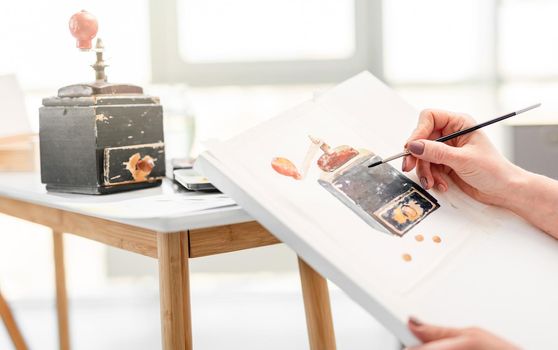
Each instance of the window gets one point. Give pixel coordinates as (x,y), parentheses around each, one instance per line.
(221,42)
(528,54)
(478,41)
(435,41)
(528,45)
(274,30)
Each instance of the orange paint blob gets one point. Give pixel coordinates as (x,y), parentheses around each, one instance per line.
(419,238)
(407,257)
(436,239)
(285,167)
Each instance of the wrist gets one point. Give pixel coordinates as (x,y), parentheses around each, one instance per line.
(534,197)
(519,190)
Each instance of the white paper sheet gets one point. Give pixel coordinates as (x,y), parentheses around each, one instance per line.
(365,262)
(166,205)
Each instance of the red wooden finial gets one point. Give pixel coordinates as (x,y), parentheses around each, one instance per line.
(83,26)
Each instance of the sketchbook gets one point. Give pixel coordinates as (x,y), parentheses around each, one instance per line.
(394,248)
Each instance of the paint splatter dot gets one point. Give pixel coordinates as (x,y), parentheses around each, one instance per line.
(436,239)
(419,238)
(407,257)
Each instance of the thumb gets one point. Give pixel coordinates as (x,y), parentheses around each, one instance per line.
(436,152)
(427,333)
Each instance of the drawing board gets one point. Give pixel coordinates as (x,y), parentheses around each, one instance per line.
(396,249)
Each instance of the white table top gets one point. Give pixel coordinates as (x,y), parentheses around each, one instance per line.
(166,208)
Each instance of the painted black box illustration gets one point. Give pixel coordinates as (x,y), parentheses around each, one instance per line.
(381,196)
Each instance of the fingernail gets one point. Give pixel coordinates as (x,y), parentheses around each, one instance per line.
(424,183)
(442,188)
(416,147)
(403,164)
(415,321)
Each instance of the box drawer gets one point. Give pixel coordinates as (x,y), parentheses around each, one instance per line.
(132,164)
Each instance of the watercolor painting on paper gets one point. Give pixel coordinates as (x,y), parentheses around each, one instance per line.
(381,196)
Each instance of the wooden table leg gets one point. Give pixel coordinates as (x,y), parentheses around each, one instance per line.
(174,289)
(61,294)
(11,326)
(317,307)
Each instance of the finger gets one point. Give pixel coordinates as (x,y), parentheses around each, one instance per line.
(446,169)
(428,333)
(431,120)
(438,172)
(409,163)
(427,128)
(461,123)
(425,125)
(424,174)
(457,343)
(438,153)
(465,187)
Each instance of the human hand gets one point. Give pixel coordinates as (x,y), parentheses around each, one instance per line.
(471,160)
(441,338)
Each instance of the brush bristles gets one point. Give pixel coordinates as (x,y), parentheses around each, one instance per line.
(375,164)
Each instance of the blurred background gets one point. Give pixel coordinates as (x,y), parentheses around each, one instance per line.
(221,66)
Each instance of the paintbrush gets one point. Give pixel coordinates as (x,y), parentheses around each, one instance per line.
(458,133)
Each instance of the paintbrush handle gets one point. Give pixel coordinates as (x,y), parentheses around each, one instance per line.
(459,133)
(482,125)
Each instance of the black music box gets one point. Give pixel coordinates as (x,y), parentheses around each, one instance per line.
(101,138)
